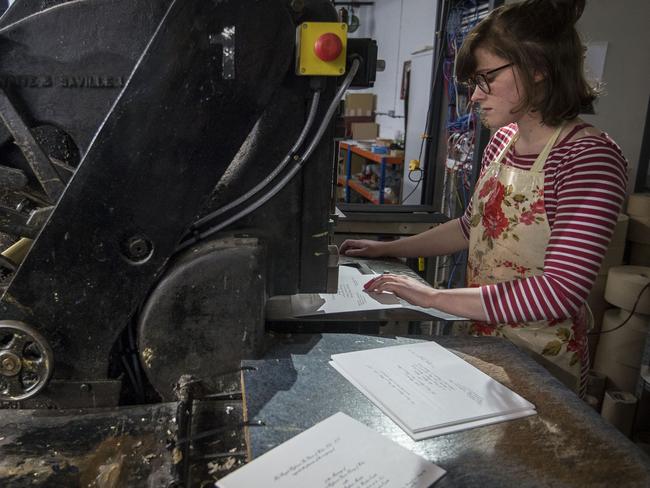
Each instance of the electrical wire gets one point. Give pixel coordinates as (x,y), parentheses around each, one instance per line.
(457,260)
(636,303)
(137,367)
(417,182)
(300,161)
(129,372)
(461,119)
(262,184)
(125,355)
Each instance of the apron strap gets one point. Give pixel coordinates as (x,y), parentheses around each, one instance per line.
(538,165)
(573,131)
(503,152)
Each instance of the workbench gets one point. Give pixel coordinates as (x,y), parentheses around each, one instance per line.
(567,444)
(292,388)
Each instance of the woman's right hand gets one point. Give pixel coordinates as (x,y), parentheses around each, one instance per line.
(362,248)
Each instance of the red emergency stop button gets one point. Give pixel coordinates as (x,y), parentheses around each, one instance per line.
(328,47)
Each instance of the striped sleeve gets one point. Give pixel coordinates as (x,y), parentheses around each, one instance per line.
(590,188)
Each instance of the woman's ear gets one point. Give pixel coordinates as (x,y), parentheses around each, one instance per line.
(538,76)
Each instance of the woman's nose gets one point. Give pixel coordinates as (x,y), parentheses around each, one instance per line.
(477,94)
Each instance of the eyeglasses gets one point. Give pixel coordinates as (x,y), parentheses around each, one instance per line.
(481,79)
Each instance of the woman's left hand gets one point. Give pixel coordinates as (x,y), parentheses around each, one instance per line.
(409,289)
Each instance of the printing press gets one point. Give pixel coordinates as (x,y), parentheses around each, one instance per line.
(167,177)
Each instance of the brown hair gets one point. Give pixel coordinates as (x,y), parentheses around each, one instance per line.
(538,36)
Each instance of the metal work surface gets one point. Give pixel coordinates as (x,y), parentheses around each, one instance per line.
(145,445)
(566,444)
(386,219)
(77,448)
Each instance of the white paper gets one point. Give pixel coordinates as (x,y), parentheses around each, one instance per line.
(433,312)
(338,452)
(352,297)
(428,390)
(425,434)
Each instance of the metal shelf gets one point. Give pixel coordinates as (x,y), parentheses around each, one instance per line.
(351,183)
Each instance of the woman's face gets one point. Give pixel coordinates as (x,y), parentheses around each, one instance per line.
(498,105)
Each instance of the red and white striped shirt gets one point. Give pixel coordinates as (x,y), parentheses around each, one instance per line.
(584,190)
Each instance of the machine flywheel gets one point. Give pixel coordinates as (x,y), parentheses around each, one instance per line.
(26,361)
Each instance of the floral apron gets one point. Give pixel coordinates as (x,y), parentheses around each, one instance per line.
(509,234)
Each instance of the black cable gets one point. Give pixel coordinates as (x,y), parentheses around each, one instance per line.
(300,160)
(636,303)
(458,259)
(129,372)
(262,184)
(129,359)
(137,367)
(417,182)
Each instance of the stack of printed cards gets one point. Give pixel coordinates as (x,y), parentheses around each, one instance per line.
(338,452)
(428,390)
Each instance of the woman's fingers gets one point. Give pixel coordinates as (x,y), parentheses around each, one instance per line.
(397,288)
(359,251)
(370,283)
(402,286)
(383,279)
(360,247)
(347,244)
(352,248)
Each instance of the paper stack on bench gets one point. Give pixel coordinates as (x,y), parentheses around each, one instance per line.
(338,452)
(428,390)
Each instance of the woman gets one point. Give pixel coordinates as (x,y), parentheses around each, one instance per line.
(546,202)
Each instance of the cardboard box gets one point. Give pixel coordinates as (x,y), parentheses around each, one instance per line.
(359,105)
(357,163)
(348,121)
(363,131)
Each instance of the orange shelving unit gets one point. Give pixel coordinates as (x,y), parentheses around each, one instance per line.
(350,183)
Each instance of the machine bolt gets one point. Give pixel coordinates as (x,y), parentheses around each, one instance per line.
(85,387)
(297,5)
(137,248)
(9,364)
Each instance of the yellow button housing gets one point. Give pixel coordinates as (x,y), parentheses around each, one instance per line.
(307,62)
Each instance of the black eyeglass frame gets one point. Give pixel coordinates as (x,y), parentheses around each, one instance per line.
(479,79)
